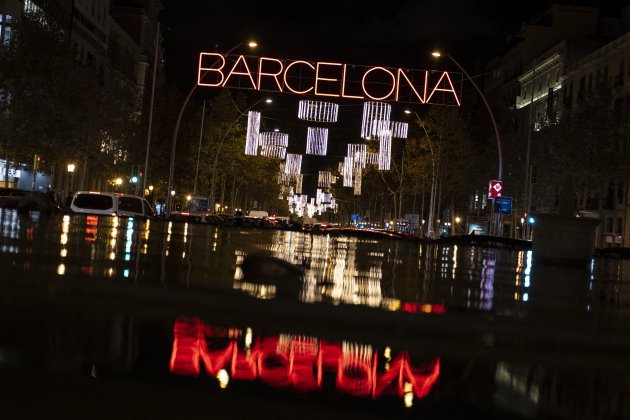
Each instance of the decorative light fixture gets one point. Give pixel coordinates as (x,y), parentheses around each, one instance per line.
(316,141)
(318,111)
(399,129)
(273,151)
(385,151)
(358,152)
(298,183)
(378,112)
(274,138)
(371,158)
(347,171)
(253,132)
(324,179)
(293,164)
(357,181)
(273,144)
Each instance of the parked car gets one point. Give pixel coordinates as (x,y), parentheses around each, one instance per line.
(111,204)
(10,197)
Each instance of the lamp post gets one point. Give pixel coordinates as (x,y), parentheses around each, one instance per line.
(171,171)
(494,124)
(215,162)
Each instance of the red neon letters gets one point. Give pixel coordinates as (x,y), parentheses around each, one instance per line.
(294,363)
(329,79)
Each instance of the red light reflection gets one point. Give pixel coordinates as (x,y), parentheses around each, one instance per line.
(294,362)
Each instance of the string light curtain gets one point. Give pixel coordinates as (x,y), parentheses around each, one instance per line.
(318,111)
(384,151)
(283,179)
(371,158)
(399,129)
(357,181)
(273,144)
(298,183)
(316,141)
(358,152)
(293,164)
(347,171)
(324,179)
(375,116)
(273,151)
(253,132)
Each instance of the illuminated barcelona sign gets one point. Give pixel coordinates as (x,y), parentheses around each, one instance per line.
(329,79)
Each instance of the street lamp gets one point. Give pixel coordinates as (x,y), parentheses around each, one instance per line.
(494,123)
(251,44)
(71,168)
(118,182)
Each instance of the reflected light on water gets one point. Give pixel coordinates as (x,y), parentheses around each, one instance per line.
(297,362)
(224,378)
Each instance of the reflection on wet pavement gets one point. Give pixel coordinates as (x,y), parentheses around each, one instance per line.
(394,322)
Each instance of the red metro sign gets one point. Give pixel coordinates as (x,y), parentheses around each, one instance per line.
(495,189)
(329,79)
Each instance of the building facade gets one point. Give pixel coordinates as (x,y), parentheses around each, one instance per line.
(543,72)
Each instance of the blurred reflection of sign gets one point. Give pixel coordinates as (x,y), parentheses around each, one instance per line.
(298,362)
(503,205)
(495,189)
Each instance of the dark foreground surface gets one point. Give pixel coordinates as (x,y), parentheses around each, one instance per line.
(116,318)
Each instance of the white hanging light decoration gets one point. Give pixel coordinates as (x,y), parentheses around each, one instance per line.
(274,138)
(316,141)
(371,158)
(273,144)
(385,151)
(399,129)
(273,151)
(253,132)
(375,116)
(324,179)
(357,181)
(358,152)
(347,171)
(318,111)
(298,183)
(293,164)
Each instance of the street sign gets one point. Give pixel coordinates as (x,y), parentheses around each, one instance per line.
(503,205)
(495,189)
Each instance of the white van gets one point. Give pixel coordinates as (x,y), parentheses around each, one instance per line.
(111,204)
(259,214)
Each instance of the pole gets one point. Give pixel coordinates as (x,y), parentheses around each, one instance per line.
(145,173)
(496,216)
(526,201)
(203,113)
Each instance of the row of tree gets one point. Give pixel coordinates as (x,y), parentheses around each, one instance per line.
(66,111)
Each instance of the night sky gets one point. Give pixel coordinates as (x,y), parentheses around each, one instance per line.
(393,34)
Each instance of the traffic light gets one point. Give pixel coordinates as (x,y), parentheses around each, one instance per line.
(135,173)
